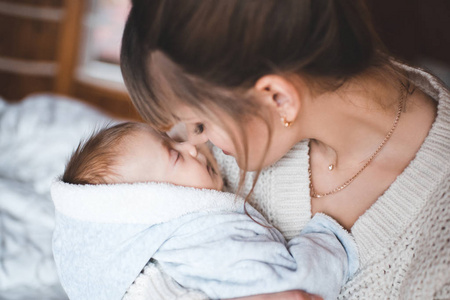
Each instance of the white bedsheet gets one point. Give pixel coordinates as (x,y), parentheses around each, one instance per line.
(37,136)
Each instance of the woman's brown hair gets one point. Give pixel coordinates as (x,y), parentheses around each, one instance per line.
(209,54)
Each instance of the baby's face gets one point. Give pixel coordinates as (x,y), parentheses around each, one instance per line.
(148,157)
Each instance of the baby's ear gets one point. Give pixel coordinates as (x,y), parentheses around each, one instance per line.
(280,94)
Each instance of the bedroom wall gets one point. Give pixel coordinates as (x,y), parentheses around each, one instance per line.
(39,46)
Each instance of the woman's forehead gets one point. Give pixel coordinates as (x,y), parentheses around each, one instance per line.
(184,113)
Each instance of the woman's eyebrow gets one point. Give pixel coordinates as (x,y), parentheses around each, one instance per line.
(176,118)
(188,119)
(184,116)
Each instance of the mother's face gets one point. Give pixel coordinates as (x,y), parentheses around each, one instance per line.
(254,133)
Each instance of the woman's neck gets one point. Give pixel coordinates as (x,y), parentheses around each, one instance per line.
(348,126)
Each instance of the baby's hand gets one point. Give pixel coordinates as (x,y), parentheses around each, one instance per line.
(287,295)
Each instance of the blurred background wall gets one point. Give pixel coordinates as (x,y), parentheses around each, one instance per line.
(417,31)
(47,46)
(50,45)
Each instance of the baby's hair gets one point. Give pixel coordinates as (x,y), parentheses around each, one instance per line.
(94,159)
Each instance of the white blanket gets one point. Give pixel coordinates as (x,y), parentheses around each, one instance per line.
(106,234)
(37,136)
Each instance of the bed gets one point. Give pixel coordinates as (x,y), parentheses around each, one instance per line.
(37,135)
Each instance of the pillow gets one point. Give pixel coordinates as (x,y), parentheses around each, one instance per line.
(37,136)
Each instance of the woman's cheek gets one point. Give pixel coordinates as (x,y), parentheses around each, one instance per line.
(223,142)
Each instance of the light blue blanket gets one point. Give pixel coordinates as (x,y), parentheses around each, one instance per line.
(106,234)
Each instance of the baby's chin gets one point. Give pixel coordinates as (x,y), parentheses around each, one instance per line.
(220,185)
(216,187)
(216,184)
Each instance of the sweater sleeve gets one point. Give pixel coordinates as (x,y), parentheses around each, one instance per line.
(230,257)
(153,283)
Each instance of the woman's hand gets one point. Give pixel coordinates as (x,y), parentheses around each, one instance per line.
(287,295)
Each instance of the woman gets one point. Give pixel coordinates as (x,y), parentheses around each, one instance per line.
(303,93)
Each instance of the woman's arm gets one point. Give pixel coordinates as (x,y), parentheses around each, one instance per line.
(287,295)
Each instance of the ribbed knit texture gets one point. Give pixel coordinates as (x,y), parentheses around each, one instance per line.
(152,283)
(403,239)
(282,190)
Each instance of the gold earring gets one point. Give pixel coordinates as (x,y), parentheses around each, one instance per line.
(285,122)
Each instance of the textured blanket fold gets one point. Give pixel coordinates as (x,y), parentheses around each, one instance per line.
(105,235)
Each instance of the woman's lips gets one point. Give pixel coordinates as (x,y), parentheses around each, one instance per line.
(226,153)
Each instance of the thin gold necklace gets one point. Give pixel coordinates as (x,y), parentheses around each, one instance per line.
(314,194)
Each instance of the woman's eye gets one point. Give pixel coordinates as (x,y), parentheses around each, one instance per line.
(199,128)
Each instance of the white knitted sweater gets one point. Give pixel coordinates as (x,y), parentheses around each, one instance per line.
(403,239)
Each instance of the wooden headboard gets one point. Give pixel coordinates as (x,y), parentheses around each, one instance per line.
(39,45)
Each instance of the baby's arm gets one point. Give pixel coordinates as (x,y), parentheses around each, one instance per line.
(326,255)
(229,255)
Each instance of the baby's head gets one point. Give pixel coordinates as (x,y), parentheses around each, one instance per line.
(133,152)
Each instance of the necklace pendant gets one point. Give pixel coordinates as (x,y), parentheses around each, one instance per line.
(331,167)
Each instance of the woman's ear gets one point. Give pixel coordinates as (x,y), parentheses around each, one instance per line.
(280,94)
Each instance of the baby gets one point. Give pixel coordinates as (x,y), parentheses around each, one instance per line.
(133,152)
(129,195)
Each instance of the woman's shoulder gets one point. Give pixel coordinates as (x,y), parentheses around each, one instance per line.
(427,82)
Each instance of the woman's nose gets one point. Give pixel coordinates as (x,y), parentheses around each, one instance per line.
(187,147)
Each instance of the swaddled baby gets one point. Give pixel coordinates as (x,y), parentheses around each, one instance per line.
(129,195)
